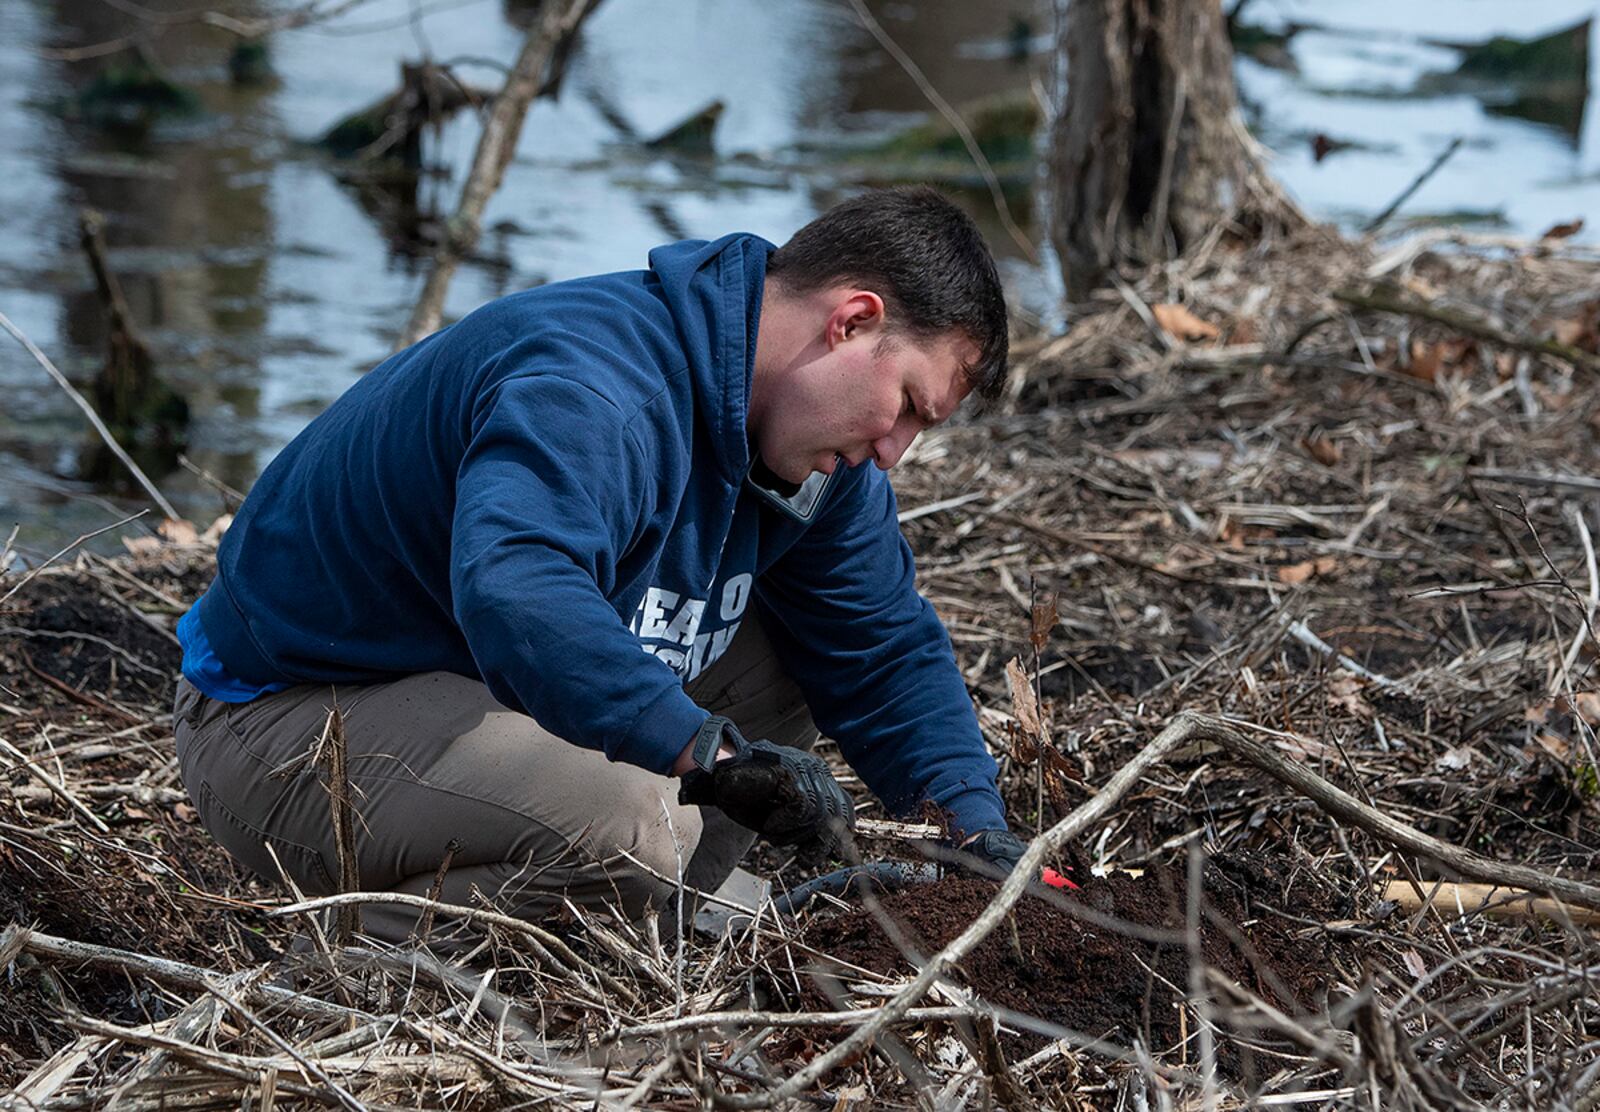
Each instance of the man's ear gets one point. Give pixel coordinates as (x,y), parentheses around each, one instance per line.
(857,313)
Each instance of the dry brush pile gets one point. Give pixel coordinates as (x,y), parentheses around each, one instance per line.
(1275,583)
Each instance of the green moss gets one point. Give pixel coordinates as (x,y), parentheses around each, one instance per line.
(1002,125)
(1560,56)
(250,63)
(1585,781)
(1270,48)
(356,132)
(695,134)
(131,92)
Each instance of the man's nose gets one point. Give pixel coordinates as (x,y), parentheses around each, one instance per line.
(887,450)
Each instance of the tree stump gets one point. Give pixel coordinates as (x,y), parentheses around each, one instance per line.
(145,415)
(1148,151)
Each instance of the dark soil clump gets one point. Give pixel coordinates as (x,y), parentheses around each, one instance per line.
(73,640)
(1110,961)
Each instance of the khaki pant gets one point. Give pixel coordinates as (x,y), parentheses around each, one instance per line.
(434,759)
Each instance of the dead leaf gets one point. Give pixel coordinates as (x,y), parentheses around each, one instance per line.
(185,812)
(1564,230)
(1306,569)
(1322,448)
(214,531)
(1425,361)
(1230,532)
(1581,331)
(1455,758)
(140,546)
(178,531)
(1179,322)
(1296,573)
(1045,617)
(1568,332)
(1583,704)
(1023,702)
(1557,747)
(1023,748)
(1345,693)
(1415,964)
(1245,332)
(1421,287)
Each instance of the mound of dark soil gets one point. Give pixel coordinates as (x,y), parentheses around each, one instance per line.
(1114,964)
(69,636)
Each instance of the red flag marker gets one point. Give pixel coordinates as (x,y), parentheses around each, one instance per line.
(1056,880)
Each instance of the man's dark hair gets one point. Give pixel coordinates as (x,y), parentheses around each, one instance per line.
(922,255)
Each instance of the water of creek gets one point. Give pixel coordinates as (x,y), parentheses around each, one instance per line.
(266,287)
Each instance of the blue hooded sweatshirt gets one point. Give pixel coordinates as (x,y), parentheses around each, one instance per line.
(557,480)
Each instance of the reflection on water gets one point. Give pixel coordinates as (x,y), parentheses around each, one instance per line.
(266,285)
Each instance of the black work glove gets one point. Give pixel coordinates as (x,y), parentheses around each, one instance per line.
(787,796)
(998,850)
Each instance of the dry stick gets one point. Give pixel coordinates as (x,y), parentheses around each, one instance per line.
(1387,299)
(425,924)
(228,493)
(1495,901)
(842,1018)
(195,1022)
(182,975)
(335,746)
(1342,805)
(56,787)
(1584,730)
(1586,628)
(1533,478)
(94,418)
(239,1066)
(419,964)
(535,71)
(219,989)
(1197,980)
(1416,184)
(319,937)
(87,536)
(546,946)
(1006,1089)
(1038,699)
(1187,726)
(897,831)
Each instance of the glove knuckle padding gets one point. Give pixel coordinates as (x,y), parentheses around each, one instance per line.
(999,847)
(782,793)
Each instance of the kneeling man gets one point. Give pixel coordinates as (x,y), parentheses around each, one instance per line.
(468,551)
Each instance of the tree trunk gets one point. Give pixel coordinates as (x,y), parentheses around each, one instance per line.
(1148,151)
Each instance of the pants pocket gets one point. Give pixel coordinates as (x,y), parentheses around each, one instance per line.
(248,846)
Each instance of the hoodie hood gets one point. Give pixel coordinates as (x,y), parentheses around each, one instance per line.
(713,290)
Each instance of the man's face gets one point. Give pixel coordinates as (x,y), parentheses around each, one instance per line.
(854,396)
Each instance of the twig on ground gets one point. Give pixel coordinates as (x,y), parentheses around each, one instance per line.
(333,753)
